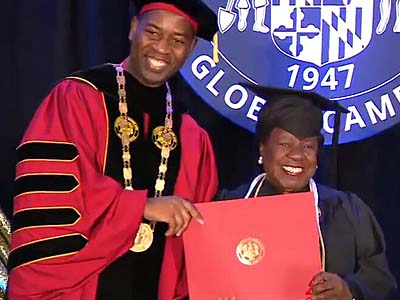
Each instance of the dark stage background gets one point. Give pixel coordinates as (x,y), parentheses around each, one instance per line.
(44,40)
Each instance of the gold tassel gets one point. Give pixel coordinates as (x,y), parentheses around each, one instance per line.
(215,48)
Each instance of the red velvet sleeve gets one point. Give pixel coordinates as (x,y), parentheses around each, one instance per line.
(198,178)
(71,219)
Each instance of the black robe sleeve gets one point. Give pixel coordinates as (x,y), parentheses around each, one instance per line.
(372,279)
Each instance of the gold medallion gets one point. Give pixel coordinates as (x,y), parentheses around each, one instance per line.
(144,238)
(250,251)
(164,136)
(131,128)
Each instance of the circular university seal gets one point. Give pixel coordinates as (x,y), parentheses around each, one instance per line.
(250,251)
(345,50)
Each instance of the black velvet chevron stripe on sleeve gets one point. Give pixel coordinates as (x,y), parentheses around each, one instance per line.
(40,150)
(49,216)
(42,183)
(46,249)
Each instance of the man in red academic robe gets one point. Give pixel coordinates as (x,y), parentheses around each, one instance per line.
(92,165)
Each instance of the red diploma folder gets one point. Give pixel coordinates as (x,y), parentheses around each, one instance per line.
(257,248)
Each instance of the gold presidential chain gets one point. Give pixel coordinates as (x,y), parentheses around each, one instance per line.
(163,137)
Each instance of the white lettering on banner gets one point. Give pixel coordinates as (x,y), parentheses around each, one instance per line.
(311,77)
(236,97)
(255,107)
(353,118)
(211,85)
(203,71)
(373,111)
(326,127)
(242,101)
(396,92)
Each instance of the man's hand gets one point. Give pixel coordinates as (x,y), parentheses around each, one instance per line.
(173,210)
(328,286)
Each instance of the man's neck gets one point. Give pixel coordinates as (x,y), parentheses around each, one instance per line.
(128,67)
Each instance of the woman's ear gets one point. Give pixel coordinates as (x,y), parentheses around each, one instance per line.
(261,148)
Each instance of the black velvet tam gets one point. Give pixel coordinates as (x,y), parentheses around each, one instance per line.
(297,112)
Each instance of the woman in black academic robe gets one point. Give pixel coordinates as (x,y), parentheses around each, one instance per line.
(352,242)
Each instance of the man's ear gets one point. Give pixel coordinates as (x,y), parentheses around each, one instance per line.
(134,26)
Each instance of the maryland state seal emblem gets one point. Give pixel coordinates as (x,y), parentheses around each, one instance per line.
(347,50)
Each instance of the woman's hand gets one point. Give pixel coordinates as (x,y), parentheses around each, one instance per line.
(329,286)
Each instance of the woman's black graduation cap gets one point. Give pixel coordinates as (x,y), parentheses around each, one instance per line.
(196,10)
(297,112)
